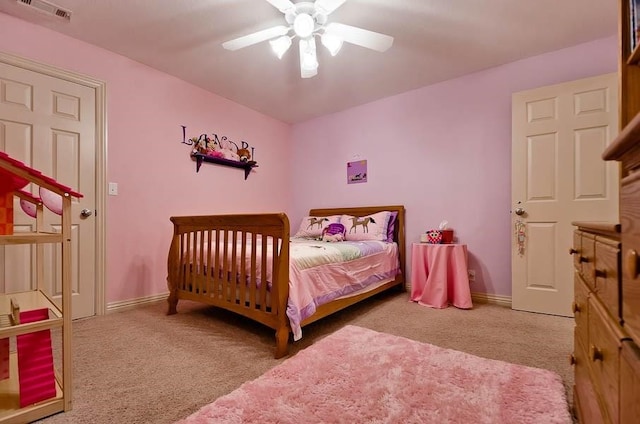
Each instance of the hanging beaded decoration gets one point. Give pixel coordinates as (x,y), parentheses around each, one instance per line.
(520,232)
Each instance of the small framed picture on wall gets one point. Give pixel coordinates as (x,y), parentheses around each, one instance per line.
(357,172)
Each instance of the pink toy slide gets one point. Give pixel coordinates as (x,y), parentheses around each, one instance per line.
(35,361)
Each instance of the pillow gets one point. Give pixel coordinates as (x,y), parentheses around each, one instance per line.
(391,226)
(312,226)
(372,227)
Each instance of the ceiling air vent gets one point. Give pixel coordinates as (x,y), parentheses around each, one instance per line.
(48,8)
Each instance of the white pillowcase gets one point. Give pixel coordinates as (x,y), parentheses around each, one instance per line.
(371,227)
(312,226)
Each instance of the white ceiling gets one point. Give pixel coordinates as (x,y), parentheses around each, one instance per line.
(435,40)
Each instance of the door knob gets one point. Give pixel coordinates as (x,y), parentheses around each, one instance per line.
(519,211)
(85,213)
(575,307)
(595,353)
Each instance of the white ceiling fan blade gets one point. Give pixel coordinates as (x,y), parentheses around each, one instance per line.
(328,6)
(256,37)
(361,37)
(282,5)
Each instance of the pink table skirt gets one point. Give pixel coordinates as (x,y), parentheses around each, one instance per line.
(439,275)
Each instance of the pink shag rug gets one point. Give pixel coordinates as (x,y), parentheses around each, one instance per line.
(356,375)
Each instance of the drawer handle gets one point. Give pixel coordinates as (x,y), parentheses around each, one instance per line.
(573,251)
(595,353)
(583,259)
(572,359)
(599,273)
(631,263)
(575,307)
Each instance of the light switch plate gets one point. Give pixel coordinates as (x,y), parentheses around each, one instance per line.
(113,189)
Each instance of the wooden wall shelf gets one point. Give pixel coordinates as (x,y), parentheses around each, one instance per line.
(247,166)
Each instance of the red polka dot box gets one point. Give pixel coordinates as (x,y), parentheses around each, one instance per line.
(437,237)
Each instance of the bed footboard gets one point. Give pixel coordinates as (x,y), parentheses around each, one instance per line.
(236,262)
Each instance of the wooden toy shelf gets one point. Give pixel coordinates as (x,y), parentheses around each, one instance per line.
(41,392)
(23,238)
(10,411)
(28,300)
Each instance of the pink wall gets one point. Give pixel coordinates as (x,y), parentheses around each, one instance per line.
(444,151)
(156,177)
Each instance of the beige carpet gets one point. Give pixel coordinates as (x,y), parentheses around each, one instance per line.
(142,366)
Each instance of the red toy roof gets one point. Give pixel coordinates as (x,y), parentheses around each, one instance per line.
(28,196)
(14,175)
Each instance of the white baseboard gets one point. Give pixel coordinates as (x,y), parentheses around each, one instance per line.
(122,304)
(492,298)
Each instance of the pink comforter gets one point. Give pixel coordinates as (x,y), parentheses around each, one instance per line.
(336,270)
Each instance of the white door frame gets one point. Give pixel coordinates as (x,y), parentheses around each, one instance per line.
(101,159)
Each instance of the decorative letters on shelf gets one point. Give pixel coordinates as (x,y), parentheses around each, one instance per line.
(220,150)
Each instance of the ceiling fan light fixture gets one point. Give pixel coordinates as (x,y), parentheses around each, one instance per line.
(308,58)
(308,18)
(303,25)
(280,45)
(332,42)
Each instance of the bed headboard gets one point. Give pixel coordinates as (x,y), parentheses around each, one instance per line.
(398,233)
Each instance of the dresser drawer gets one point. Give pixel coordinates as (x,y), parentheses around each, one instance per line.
(587,257)
(603,355)
(630,222)
(580,305)
(607,282)
(585,399)
(629,383)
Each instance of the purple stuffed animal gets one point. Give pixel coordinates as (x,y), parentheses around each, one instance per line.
(334,232)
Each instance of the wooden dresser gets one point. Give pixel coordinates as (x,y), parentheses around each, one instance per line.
(599,335)
(607,300)
(626,149)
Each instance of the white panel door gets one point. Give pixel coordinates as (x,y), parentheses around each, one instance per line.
(558,176)
(50,125)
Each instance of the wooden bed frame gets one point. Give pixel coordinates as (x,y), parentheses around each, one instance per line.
(192,237)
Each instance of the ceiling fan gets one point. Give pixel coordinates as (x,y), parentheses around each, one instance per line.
(306,20)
